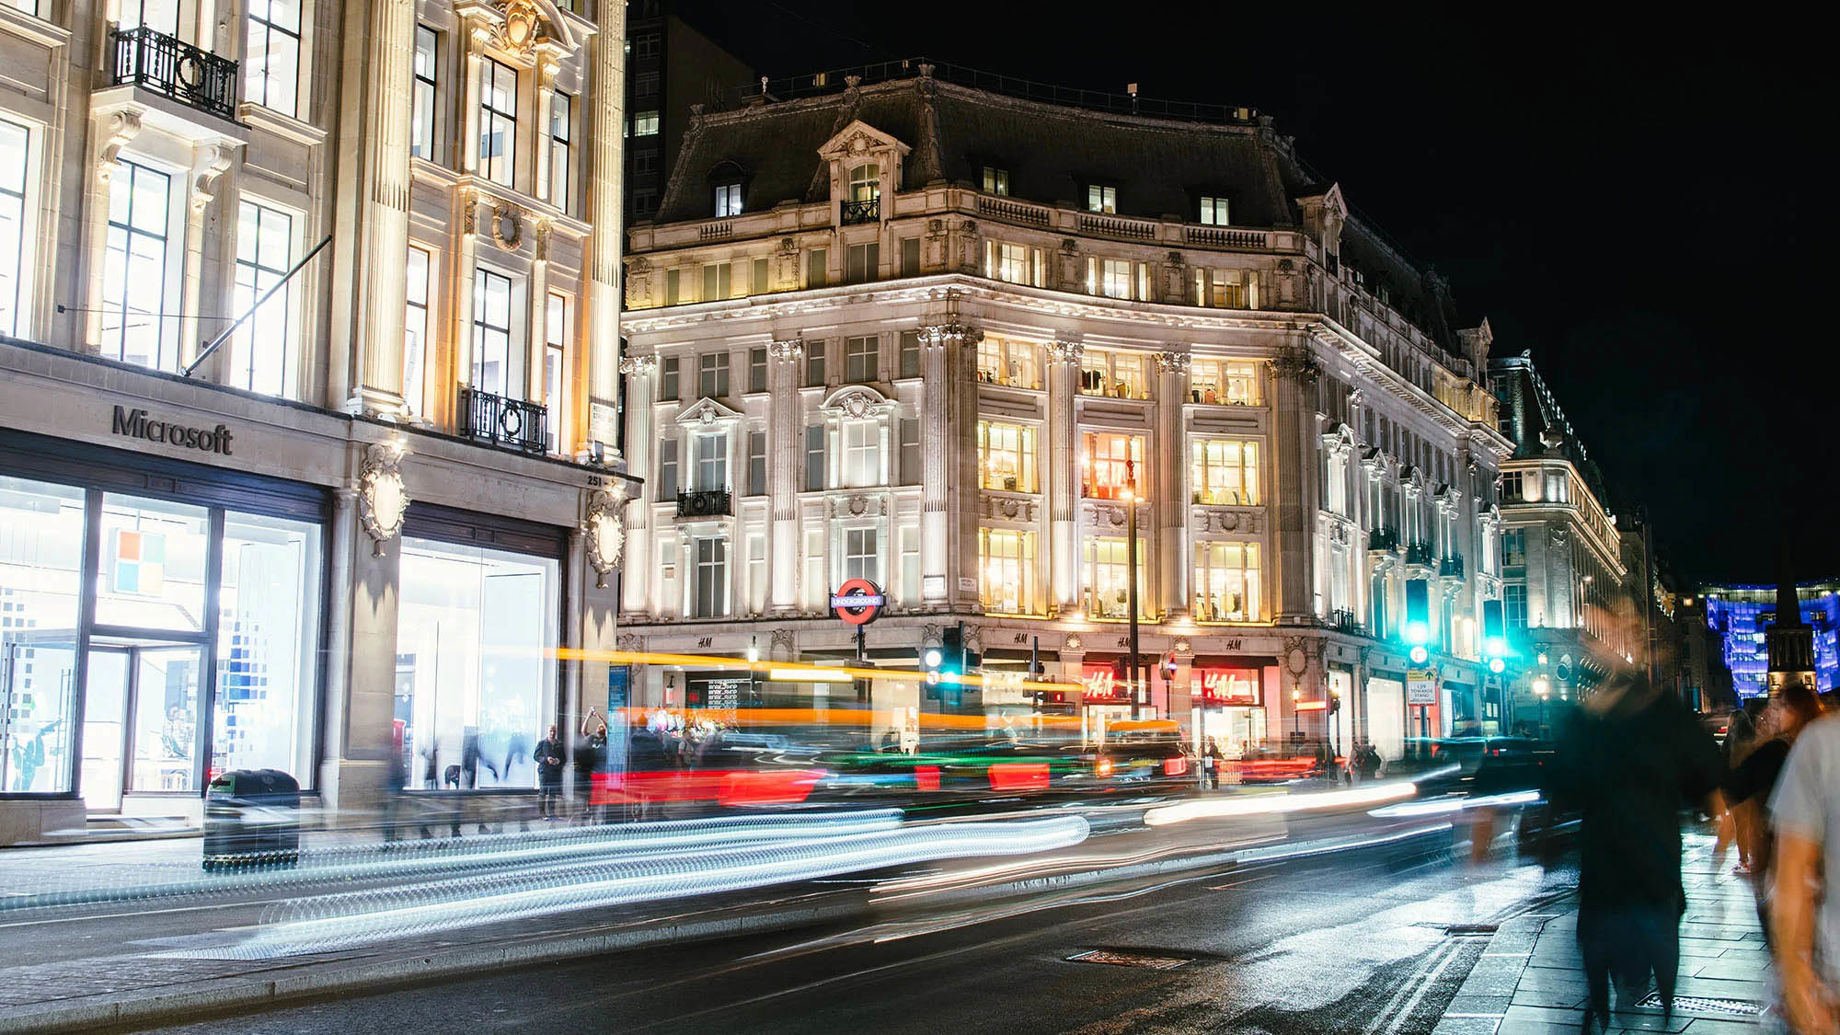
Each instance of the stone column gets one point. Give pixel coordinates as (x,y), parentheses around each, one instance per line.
(606,211)
(1174,562)
(641,564)
(1062,473)
(944,462)
(370,263)
(360,712)
(1293,492)
(208,166)
(536,328)
(786,449)
(465,256)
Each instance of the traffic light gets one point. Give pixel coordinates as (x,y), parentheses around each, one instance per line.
(1418,612)
(952,650)
(1494,637)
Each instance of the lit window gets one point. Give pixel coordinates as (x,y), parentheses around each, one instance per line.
(728,199)
(1107,577)
(718,281)
(560,109)
(415,330)
(1226,582)
(1229,382)
(862,359)
(1109,277)
(491,332)
(1014,263)
(1006,457)
(863,262)
(862,555)
(710,473)
(555,369)
(15,141)
(1114,374)
(265,362)
(271,55)
(1224,472)
(498,102)
(645,124)
(422,110)
(1006,571)
(866,182)
(1113,463)
(138,274)
(667,379)
(1010,363)
(710,595)
(996,181)
(1214,211)
(1514,606)
(1101,199)
(1514,548)
(862,453)
(1226,289)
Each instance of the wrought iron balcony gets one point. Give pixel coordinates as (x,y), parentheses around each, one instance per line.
(511,423)
(1451,567)
(170,66)
(1421,554)
(867,211)
(705,503)
(1383,539)
(1343,620)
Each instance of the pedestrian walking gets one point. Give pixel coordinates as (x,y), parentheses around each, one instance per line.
(1630,761)
(590,757)
(548,757)
(1805,897)
(1748,786)
(1734,825)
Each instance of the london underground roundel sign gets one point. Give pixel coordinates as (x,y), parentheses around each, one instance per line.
(858,601)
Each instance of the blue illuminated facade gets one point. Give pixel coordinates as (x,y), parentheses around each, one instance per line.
(1740,614)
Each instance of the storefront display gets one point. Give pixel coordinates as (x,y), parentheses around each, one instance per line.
(1228,705)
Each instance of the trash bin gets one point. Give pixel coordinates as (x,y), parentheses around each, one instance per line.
(252,818)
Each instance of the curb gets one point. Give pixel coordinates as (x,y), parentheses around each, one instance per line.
(367,974)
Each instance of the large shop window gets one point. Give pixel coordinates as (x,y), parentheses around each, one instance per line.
(265,348)
(138,270)
(1006,571)
(1006,457)
(1226,582)
(1224,472)
(475,663)
(1107,581)
(176,676)
(1113,465)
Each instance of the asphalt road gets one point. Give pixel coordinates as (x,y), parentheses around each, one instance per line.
(1361,941)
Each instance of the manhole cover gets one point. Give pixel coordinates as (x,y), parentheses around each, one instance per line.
(1704,1004)
(1128,959)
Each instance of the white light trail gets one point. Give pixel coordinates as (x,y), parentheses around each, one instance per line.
(1278,804)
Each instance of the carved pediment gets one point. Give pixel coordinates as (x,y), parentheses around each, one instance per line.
(857,402)
(705,412)
(860,140)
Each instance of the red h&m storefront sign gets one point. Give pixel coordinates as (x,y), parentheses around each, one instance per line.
(1225,687)
(1100,684)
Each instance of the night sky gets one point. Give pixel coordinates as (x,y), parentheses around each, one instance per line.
(1644,205)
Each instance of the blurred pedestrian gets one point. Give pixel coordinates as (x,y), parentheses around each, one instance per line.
(1740,737)
(1805,900)
(548,757)
(1630,761)
(1211,761)
(1748,786)
(590,757)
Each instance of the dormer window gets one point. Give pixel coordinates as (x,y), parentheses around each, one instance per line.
(728,199)
(996,181)
(866,182)
(1101,198)
(1213,211)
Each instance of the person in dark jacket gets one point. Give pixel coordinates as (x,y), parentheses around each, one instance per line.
(590,758)
(1630,762)
(548,756)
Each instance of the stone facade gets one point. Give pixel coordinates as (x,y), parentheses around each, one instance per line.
(887,366)
(446,175)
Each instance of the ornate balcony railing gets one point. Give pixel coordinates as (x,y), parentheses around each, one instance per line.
(1343,620)
(704,503)
(1383,539)
(512,423)
(170,66)
(867,211)
(1421,554)
(1451,567)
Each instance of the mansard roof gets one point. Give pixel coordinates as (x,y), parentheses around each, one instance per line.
(1160,167)
(1533,421)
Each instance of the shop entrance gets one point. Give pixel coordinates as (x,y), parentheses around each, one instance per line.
(142,725)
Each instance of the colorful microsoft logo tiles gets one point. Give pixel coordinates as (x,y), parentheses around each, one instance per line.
(140,563)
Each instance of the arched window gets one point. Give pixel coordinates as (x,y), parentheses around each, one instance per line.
(728,184)
(866,182)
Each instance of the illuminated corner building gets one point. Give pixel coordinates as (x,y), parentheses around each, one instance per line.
(1743,616)
(1563,574)
(671,70)
(206,561)
(888,325)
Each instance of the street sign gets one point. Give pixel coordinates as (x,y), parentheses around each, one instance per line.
(1421,686)
(858,601)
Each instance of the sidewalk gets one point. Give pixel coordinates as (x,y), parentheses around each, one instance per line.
(1530,981)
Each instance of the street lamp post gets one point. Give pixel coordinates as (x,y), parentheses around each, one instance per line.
(1130,503)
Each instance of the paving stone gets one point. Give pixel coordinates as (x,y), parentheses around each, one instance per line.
(1465,1026)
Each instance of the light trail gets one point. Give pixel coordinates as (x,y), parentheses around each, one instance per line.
(1446,806)
(1279,804)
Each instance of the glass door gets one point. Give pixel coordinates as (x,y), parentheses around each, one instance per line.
(165,704)
(105,727)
